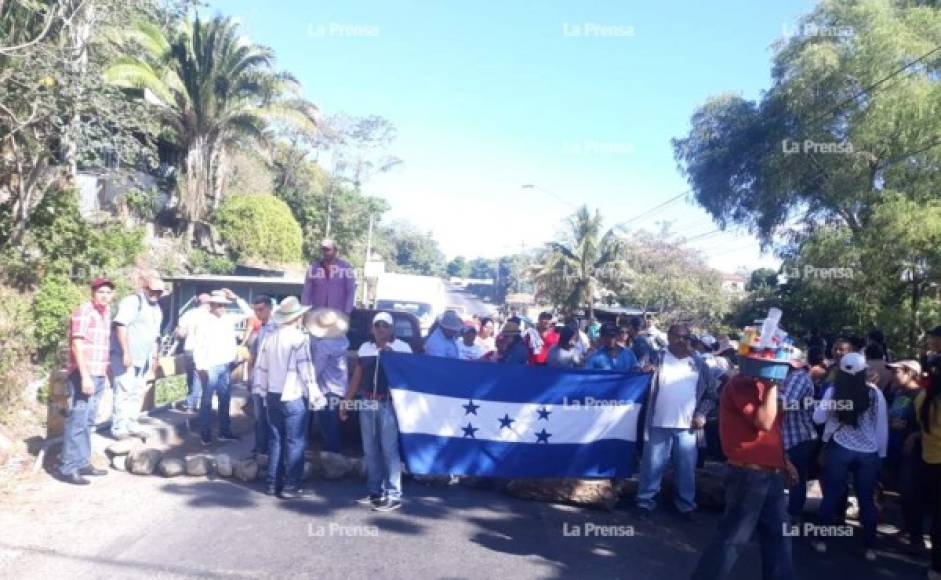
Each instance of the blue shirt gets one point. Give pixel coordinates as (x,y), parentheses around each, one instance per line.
(437,344)
(141,321)
(623,361)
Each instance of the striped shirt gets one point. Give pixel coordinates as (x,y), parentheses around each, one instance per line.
(284,366)
(798,394)
(93,326)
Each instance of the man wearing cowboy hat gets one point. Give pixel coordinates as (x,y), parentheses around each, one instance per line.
(134,352)
(443,341)
(284,375)
(328,346)
(214,350)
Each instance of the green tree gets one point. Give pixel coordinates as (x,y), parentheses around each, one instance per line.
(458,267)
(259,227)
(216,93)
(409,250)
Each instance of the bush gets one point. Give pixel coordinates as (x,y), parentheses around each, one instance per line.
(201,262)
(16,347)
(259,227)
(52,305)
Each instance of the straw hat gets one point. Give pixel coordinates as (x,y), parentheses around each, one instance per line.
(326,323)
(289,309)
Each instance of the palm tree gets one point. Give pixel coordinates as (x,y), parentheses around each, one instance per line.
(216,92)
(585,266)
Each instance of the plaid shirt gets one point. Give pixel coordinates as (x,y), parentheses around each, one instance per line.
(798,393)
(93,327)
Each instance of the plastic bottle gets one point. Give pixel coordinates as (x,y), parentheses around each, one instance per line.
(769,327)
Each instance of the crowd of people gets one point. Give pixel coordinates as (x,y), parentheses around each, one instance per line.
(846,413)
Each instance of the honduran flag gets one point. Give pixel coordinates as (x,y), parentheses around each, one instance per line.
(512,421)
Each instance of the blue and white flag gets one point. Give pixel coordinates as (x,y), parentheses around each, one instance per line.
(480,419)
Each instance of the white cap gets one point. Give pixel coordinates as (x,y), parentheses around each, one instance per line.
(707,339)
(853,363)
(383,317)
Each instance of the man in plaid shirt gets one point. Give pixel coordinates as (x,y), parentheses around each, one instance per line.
(798,431)
(89,346)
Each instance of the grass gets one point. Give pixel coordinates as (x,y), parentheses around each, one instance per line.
(170,389)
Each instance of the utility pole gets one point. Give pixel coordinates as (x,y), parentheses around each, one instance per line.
(368,253)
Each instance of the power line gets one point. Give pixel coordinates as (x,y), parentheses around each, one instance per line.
(655,208)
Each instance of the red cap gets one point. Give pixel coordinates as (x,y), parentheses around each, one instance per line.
(99,282)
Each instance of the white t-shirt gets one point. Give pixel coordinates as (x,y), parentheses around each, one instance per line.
(369,348)
(189,321)
(473,352)
(676,398)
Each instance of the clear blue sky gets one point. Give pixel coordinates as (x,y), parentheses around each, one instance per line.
(488,96)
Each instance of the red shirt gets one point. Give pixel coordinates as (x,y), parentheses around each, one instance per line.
(742,441)
(550,338)
(91,324)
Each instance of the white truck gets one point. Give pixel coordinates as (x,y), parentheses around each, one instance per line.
(423,296)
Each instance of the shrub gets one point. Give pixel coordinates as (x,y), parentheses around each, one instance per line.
(52,305)
(201,262)
(16,346)
(259,227)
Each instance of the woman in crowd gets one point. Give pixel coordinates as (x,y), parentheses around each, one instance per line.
(514,349)
(565,354)
(928,411)
(485,336)
(856,435)
(903,463)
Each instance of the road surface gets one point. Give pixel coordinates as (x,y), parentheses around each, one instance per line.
(471,304)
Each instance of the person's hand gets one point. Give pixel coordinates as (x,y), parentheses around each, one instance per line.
(699,422)
(128,362)
(342,412)
(229,294)
(88,386)
(790,474)
(647,368)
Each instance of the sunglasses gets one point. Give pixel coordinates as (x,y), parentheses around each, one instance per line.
(383,325)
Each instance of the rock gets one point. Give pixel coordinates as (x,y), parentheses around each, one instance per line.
(246,470)
(335,466)
(595,493)
(98,460)
(124,446)
(357,467)
(119,462)
(197,465)
(224,465)
(143,461)
(170,467)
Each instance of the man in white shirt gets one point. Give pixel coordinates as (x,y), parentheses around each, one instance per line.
(467,347)
(284,378)
(186,330)
(214,351)
(682,393)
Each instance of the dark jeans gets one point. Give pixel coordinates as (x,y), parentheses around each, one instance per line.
(802,456)
(910,469)
(328,420)
(931,487)
(287,441)
(218,383)
(76,441)
(840,463)
(261,423)
(754,501)
(194,388)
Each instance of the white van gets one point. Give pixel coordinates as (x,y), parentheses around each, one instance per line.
(423,296)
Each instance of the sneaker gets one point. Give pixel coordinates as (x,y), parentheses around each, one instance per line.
(819,547)
(371,500)
(206,439)
(387,505)
(224,437)
(291,493)
(870,555)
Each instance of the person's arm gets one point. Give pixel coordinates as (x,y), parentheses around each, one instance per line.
(821,412)
(767,408)
(349,283)
(882,424)
(353,388)
(709,399)
(78,332)
(123,317)
(260,372)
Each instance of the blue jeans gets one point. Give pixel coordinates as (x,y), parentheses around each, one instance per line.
(328,420)
(218,383)
(380,432)
(76,441)
(129,384)
(840,462)
(261,423)
(194,387)
(287,441)
(754,501)
(662,442)
(802,456)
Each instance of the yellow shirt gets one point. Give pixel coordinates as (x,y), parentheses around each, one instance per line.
(930,442)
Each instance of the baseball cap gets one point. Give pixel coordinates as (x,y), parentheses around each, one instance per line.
(910,365)
(609,329)
(382,317)
(853,363)
(99,282)
(798,358)
(707,339)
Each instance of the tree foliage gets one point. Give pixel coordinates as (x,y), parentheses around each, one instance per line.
(259,228)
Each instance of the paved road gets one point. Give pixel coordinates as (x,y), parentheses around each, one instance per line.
(127,526)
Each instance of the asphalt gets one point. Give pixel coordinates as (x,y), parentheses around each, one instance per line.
(471,303)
